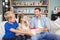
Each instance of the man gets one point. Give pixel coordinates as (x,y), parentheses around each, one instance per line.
(41,23)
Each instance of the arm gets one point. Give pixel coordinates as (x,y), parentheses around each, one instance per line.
(43,29)
(39,30)
(8,27)
(21,31)
(46,26)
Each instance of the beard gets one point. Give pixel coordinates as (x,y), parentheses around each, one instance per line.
(37,15)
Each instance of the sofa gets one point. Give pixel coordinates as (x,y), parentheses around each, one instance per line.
(54,26)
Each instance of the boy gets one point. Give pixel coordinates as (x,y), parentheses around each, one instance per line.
(10,27)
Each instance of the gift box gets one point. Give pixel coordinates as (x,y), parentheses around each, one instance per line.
(33,30)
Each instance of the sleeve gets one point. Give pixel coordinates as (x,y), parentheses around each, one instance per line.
(47,24)
(7,27)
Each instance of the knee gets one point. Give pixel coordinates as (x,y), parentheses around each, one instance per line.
(34,38)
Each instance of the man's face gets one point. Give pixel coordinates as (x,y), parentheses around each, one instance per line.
(37,12)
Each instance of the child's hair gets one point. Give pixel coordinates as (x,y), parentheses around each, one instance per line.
(26,24)
(9,14)
(20,17)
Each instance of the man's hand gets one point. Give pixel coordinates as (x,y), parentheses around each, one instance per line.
(39,30)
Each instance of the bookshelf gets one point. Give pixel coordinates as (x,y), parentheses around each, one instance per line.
(27,6)
(30,6)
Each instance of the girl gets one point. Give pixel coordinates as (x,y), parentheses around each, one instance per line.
(23,24)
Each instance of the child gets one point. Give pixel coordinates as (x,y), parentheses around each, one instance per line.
(23,24)
(10,27)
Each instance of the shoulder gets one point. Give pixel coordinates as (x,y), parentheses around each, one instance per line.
(43,17)
(6,24)
(20,24)
(16,22)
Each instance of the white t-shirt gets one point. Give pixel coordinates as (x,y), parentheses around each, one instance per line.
(39,24)
(24,27)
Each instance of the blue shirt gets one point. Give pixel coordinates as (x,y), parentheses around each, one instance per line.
(44,23)
(8,26)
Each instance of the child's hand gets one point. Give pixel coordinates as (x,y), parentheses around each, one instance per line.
(37,31)
(28,33)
